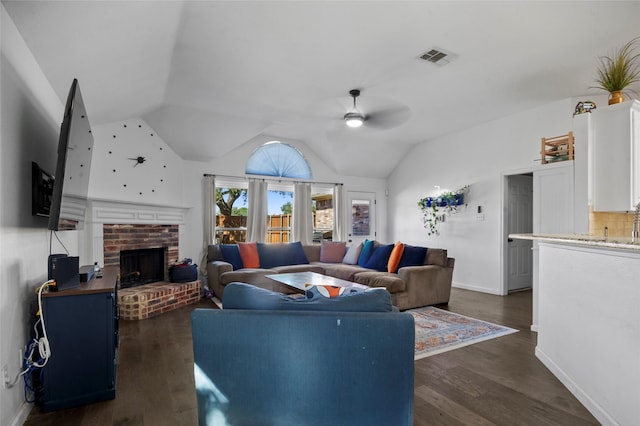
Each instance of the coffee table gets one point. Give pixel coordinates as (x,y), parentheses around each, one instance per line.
(301,281)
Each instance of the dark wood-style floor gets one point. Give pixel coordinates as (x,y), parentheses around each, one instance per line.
(497,382)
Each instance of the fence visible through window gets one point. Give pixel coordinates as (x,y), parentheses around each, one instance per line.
(278,228)
(231,227)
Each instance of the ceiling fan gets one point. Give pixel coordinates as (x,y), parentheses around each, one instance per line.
(379,113)
(354,118)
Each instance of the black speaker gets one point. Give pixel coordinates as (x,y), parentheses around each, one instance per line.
(65,271)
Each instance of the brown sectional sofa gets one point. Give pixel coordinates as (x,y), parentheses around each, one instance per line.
(411,287)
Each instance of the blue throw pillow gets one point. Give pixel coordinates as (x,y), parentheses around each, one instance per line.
(412,256)
(231,254)
(246,296)
(379,259)
(365,253)
(281,254)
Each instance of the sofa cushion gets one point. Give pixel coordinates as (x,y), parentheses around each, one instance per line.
(391,282)
(246,296)
(214,253)
(342,271)
(249,255)
(312,251)
(365,253)
(231,254)
(413,256)
(379,258)
(332,251)
(279,254)
(351,258)
(394,258)
(436,257)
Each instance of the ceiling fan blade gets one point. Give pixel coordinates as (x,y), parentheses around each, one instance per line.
(388,118)
(380,113)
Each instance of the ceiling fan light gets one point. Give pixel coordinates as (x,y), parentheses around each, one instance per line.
(354,119)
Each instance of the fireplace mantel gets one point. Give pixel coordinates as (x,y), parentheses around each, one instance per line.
(105,211)
(100,212)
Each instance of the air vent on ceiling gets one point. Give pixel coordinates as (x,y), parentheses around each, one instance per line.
(438,56)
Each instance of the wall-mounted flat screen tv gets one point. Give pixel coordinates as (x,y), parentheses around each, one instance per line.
(75,151)
(41,191)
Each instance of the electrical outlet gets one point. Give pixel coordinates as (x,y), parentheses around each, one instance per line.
(5,374)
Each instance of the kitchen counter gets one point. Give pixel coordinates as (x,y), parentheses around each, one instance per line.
(588,320)
(582,239)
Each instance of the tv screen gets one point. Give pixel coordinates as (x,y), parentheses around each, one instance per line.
(41,190)
(71,182)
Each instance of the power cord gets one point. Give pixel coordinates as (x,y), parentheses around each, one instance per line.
(51,234)
(41,343)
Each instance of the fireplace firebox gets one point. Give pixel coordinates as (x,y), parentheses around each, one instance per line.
(142,266)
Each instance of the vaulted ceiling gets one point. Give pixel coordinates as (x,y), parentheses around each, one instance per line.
(209,76)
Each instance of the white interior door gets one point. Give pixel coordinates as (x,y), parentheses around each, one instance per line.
(362,216)
(520,221)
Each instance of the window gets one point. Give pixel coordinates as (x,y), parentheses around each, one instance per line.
(232,207)
(322,215)
(360,218)
(280,208)
(271,159)
(231,214)
(278,159)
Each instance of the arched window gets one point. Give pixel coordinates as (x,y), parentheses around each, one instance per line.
(278,159)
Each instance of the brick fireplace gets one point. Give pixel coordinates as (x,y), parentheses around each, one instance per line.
(113,227)
(128,237)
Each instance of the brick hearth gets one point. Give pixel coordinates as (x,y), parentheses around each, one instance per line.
(149,300)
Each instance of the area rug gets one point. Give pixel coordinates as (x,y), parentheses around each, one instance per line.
(439,331)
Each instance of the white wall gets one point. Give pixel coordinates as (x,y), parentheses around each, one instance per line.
(477,156)
(31,114)
(114,176)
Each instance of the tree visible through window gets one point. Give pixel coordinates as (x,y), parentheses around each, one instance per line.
(232,206)
(272,159)
(231,219)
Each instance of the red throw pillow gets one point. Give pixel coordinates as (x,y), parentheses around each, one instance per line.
(249,255)
(394,258)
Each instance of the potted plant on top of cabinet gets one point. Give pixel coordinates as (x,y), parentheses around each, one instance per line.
(618,71)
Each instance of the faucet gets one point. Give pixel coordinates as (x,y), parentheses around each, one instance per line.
(635,233)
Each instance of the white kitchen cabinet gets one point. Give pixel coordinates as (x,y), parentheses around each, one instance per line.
(553,199)
(616,157)
(583,164)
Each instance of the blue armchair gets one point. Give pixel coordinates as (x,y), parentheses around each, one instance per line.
(274,367)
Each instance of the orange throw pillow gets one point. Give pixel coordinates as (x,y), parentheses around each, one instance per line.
(394,258)
(249,255)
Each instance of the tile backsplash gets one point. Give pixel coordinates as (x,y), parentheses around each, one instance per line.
(618,224)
